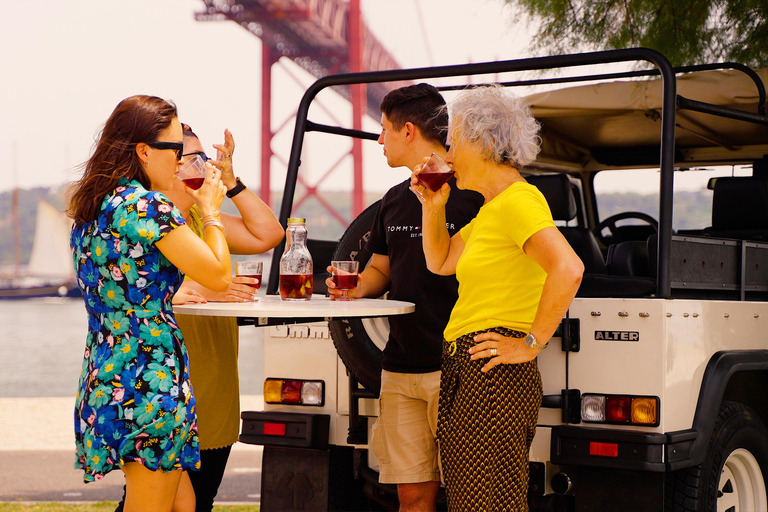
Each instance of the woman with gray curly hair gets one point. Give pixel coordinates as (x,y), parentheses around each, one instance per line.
(517,277)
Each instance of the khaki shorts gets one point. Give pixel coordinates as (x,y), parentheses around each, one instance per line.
(404,433)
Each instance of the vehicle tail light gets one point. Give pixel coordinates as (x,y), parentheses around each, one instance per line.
(294,392)
(291,392)
(593,408)
(620,409)
(645,411)
(312,392)
(273,391)
(617,409)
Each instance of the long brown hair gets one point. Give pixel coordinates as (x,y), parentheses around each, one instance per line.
(136,119)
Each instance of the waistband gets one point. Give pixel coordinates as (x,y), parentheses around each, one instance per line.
(450,347)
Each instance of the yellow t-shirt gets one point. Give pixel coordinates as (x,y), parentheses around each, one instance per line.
(499,285)
(212,343)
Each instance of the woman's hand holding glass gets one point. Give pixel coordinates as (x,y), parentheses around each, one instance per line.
(426,195)
(212,192)
(249,273)
(241,289)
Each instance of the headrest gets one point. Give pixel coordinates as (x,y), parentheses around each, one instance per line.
(557,190)
(740,203)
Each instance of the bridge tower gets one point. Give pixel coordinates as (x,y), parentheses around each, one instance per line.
(322,37)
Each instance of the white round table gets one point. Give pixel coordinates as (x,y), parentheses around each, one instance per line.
(272,307)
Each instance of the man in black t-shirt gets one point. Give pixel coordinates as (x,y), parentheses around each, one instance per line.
(413,126)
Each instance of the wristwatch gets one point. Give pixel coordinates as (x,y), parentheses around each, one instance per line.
(530,340)
(236,189)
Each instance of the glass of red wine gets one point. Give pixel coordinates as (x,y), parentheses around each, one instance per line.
(250,269)
(345,277)
(192,172)
(435,172)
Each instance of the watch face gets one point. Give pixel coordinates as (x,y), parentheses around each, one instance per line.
(530,340)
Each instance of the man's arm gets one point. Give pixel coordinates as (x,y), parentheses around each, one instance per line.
(374,281)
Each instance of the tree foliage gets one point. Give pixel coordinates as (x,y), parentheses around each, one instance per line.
(685,31)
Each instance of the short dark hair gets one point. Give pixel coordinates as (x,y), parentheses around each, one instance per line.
(420,104)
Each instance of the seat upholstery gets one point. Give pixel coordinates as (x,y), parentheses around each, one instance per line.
(558,191)
(584,244)
(740,208)
(628,259)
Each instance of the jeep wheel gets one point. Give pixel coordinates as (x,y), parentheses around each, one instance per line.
(733,475)
(359,342)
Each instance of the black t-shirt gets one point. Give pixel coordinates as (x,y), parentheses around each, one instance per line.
(415,339)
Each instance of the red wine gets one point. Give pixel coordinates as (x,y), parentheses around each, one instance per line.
(194,183)
(345,282)
(296,286)
(257,284)
(435,180)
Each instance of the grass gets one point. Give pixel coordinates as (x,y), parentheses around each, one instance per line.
(102,506)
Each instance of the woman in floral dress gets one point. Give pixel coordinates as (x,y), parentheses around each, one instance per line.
(135,408)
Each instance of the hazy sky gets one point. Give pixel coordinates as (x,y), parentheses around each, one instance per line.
(68,63)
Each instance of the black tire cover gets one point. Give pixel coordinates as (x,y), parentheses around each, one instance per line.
(359,353)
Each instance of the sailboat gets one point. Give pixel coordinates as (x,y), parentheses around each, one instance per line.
(50,272)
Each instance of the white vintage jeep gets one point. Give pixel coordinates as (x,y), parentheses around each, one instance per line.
(656,389)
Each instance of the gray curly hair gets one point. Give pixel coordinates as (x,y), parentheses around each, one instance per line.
(500,123)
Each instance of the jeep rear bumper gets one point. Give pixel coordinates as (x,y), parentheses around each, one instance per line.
(611,449)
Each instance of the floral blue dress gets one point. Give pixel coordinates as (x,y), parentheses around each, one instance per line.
(134,400)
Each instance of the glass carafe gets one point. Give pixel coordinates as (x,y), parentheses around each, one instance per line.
(296,263)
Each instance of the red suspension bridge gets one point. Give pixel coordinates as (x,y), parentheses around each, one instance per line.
(322,37)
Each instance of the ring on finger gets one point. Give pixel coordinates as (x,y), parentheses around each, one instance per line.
(494,352)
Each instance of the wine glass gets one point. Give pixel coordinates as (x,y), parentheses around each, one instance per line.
(345,276)
(250,269)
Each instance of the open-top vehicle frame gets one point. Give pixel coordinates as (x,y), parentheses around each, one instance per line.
(669,321)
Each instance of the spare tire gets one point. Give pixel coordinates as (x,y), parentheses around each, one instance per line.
(360,342)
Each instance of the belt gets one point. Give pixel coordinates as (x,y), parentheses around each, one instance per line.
(451,347)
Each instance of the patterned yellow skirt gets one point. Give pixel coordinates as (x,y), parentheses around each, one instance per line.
(486,423)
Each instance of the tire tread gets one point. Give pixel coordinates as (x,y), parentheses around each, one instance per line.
(695,489)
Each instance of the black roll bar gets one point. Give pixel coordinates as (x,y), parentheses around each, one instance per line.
(684,103)
(635,74)
(669,95)
(335,130)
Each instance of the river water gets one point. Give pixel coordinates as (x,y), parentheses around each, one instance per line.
(42,343)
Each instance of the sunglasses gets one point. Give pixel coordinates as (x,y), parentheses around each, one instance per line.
(178,147)
(200,153)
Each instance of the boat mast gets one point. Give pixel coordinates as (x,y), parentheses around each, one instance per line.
(15,213)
